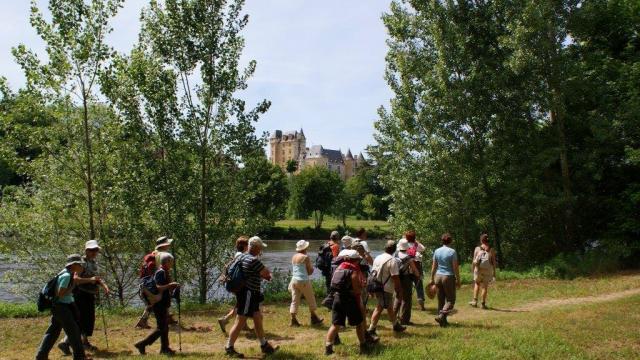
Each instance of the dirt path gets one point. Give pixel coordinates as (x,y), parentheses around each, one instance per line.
(538,305)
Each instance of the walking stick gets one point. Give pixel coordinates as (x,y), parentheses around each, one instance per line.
(104,320)
(175,276)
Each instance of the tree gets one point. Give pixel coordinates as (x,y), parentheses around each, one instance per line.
(315,191)
(292,166)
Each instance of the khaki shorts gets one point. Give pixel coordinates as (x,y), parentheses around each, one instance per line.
(384,299)
(482,278)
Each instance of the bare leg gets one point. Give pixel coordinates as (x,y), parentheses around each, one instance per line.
(257,325)
(360,329)
(476,287)
(391,313)
(485,290)
(375,316)
(332,333)
(235,330)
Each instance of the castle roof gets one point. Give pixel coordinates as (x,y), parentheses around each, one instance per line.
(349,155)
(334,156)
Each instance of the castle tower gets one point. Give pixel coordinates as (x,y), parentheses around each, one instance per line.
(349,165)
(287,146)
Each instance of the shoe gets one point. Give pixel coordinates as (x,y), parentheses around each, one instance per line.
(268,349)
(442,321)
(370,339)
(365,349)
(168,352)
(223,324)
(231,352)
(143,324)
(328,350)
(399,328)
(294,322)
(64,347)
(421,303)
(337,340)
(473,303)
(371,332)
(315,320)
(141,348)
(484,307)
(89,346)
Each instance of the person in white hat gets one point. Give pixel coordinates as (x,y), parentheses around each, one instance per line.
(248,299)
(88,284)
(408,273)
(300,284)
(150,263)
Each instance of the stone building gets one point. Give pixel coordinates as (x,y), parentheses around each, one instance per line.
(292,145)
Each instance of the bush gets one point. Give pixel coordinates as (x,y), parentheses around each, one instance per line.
(23,310)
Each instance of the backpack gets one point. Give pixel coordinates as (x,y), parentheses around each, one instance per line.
(148,267)
(403,266)
(483,260)
(47,295)
(149,291)
(413,249)
(374,285)
(341,281)
(234,279)
(325,256)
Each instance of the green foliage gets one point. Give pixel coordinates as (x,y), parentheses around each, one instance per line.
(292,166)
(27,310)
(314,191)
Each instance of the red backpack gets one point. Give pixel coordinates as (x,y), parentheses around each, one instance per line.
(148,267)
(413,249)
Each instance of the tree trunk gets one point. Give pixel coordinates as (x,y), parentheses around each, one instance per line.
(558,121)
(494,219)
(203,229)
(88,160)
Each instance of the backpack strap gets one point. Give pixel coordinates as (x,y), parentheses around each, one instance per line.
(388,277)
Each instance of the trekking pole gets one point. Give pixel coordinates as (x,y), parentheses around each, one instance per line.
(104,320)
(175,277)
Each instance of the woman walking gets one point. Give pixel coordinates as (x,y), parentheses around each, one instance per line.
(408,274)
(445,274)
(300,284)
(484,270)
(415,250)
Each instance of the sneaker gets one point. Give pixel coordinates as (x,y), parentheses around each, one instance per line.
(372,332)
(294,323)
(473,303)
(223,324)
(421,304)
(337,340)
(64,347)
(399,328)
(268,349)
(168,352)
(232,353)
(141,348)
(328,350)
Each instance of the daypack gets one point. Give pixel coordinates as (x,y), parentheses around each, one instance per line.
(405,269)
(484,260)
(324,258)
(341,280)
(413,249)
(148,267)
(47,295)
(234,279)
(374,285)
(149,289)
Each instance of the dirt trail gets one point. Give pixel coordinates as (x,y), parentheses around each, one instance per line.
(538,305)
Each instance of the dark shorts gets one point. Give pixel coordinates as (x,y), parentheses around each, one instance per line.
(248,302)
(345,307)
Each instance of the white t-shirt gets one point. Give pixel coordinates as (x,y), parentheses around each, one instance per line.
(386,267)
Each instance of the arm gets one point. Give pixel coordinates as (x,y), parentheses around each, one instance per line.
(414,269)
(456,270)
(307,262)
(368,259)
(494,261)
(169,286)
(90,280)
(265,274)
(397,287)
(434,266)
(357,290)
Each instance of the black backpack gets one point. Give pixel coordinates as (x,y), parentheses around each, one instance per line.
(234,277)
(341,281)
(47,295)
(374,285)
(323,261)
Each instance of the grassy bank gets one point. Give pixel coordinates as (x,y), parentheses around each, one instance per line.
(528,319)
(304,229)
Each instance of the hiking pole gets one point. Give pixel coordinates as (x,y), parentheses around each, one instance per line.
(175,277)
(104,320)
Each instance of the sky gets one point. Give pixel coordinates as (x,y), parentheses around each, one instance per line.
(320,63)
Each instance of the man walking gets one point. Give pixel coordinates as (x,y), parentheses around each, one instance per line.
(249,297)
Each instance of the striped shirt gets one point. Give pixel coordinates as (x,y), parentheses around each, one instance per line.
(251,266)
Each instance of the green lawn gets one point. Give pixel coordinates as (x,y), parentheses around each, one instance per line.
(528,319)
(330,223)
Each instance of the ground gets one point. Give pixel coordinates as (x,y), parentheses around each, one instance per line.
(330,223)
(589,318)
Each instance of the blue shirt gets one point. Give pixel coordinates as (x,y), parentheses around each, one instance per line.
(65,281)
(445,256)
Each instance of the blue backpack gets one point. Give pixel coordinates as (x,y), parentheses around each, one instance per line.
(234,279)
(48,294)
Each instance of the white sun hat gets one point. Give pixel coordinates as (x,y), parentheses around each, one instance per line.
(92,244)
(403,244)
(302,245)
(255,240)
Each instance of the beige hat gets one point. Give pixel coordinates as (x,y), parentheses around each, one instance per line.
(74,259)
(163,241)
(302,245)
(255,240)
(347,241)
(403,244)
(352,254)
(92,244)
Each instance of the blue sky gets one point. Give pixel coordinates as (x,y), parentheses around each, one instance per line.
(321,63)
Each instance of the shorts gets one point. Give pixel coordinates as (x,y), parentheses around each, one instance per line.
(345,307)
(384,299)
(248,302)
(482,278)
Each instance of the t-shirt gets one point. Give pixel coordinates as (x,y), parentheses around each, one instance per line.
(335,249)
(386,267)
(90,270)
(161,278)
(252,266)
(445,256)
(65,280)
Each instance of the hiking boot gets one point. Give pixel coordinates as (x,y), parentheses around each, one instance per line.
(484,306)
(268,349)
(141,348)
(442,321)
(294,322)
(421,303)
(223,324)
(399,328)
(337,340)
(64,347)
(328,350)
(168,352)
(370,339)
(143,324)
(89,346)
(232,353)
(315,320)
(371,332)
(473,303)
(365,348)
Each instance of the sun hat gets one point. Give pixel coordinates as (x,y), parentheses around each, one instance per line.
(92,244)
(163,241)
(352,254)
(74,259)
(302,245)
(255,240)
(347,241)
(343,252)
(335,235)
(432,290)
(403,244)
(362,243)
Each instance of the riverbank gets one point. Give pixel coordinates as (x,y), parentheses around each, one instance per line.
(304,229)
(585,318)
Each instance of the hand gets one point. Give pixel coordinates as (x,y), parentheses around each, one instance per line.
(106,290)
(96,280)
(174,285)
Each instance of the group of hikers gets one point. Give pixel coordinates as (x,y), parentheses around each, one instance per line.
(351,274)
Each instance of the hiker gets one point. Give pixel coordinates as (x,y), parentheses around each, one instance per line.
(408,274)
(385,272)
(249,297)
(361,237)
(84,295)
(149,265)
(415,250)
(242,245)
(484,270)
(347,284)
(445,274)
(63,312)
(327,252)
(300,284)
(362,248)
(164,286)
